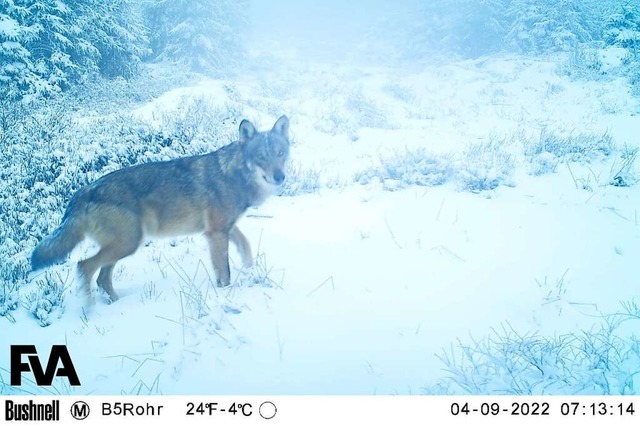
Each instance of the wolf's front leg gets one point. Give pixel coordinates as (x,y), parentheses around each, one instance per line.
(241,242)
(219,251)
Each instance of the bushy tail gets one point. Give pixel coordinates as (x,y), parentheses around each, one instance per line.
(57,246)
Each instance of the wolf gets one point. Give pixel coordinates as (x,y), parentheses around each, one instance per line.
(204,194)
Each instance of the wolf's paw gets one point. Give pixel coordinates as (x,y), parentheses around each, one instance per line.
(112,298)
(221,284)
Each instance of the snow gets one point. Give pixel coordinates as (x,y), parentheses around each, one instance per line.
(368,285)
(9,28)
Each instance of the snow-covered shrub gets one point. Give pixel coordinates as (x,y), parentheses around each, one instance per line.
(485,166)
(29,167)
(46,303)
(415,166)
(543,163)
(195,126)
(333,120)
(344,110)
(12,114)
(300,180)
(634,78)
(480,167)
(99,96)
(580,147)
(403,92)
(582,62)
(367,112)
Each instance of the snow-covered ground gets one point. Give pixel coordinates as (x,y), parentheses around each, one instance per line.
(364,282)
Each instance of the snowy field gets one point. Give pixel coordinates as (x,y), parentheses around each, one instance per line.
(469,227)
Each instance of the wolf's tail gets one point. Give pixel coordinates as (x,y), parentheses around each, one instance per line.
(57,246)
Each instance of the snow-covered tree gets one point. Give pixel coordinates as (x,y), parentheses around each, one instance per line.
(48,45)
(203,34)
(623,27)
(468,27)
(15,67)
(117,29)
(536,26)
(475,27)
(41,50)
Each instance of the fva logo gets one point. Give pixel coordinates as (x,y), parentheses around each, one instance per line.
(59,354)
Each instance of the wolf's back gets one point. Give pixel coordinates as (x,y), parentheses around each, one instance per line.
(56,246)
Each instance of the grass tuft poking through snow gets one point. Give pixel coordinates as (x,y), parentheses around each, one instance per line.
(623,171)
(581,147)
(9,298)
(485,166)
(603,361)
(480,167)
(300,180)
(260,274)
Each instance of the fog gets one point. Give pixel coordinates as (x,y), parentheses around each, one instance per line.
(330,28)
(417,30)
(459,213)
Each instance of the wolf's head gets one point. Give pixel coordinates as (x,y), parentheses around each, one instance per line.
(266,153)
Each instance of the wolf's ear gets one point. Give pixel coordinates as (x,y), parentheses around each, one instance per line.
(246,130)
(282,127)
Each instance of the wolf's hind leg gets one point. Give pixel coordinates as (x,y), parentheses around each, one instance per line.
(242,243)
(105,281)
(116,242)
(106,257)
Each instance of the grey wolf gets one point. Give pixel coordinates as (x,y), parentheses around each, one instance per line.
(197,194)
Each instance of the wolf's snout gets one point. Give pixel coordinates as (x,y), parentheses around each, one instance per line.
(278,176)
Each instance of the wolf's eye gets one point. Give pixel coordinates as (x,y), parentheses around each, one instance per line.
(280,153)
